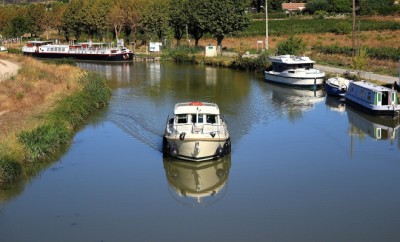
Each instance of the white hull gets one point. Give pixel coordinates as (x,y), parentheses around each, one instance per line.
(316,79)
(198,149)
(197,133)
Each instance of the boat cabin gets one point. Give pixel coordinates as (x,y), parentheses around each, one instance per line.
(373,94)
(196,113)
(289,62)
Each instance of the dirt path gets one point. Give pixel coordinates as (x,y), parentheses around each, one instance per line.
(7,69)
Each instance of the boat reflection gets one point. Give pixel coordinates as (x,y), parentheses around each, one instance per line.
(377,127)
(294,101)
(197,183)
(335,104)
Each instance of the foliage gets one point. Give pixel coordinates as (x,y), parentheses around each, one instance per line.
(9,170)
(226,17)
(182,54)
(342,28)
(360,61)
(317,5)
(77,107)
(292,46)
(302,26)
(155,19)
(44,141)
(383,53)
(17,27)
(258,64)
(371,7)
(62,61)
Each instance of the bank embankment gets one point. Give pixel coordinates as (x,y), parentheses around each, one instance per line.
(40,109)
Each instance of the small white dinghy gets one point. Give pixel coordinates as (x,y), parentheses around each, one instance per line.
(196,132)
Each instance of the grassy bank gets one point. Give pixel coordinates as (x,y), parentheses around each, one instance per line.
(41,108)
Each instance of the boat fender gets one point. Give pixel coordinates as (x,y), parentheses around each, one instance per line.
(174,152)
(182,136)
(227,148)
(220,151)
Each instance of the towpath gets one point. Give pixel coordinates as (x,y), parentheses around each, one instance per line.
(362,74)
(7,69)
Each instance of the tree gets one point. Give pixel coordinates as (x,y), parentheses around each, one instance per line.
(16,27)
(116,19)
(155,19)
(73,19)
(36,18)
(197,12)
(317,5)
(340,6)
(226,17)
(179,20)
(292,46)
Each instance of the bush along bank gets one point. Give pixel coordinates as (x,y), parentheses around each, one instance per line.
(58,126)
(195,55)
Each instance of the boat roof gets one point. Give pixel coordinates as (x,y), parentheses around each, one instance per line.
(371,86)
(39,41)
(291,59)
(195,107)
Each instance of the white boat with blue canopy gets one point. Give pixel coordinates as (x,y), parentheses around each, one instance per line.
(294,70)
(373,99)
(196,132)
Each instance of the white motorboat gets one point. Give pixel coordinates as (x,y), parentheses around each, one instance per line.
(336,86)
(373,99)
(294,70)
(196,132)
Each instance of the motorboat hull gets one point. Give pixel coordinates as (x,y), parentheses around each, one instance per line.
(336,86)
(196,149)
(303,81)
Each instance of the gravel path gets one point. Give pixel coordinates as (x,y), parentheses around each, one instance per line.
(7,69)
(362,74)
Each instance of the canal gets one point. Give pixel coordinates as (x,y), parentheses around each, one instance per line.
(303,167)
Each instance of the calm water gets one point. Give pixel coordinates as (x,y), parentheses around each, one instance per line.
(303,168)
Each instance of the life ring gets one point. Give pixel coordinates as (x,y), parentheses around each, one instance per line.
(196,103)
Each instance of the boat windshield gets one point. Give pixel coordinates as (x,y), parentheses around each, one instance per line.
(283,67)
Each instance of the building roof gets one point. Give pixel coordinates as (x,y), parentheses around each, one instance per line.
(293,6)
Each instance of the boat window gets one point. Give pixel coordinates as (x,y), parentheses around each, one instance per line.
(211,119)
(199,119)
(181,118)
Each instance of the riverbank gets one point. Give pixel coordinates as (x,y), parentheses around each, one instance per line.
(41,107)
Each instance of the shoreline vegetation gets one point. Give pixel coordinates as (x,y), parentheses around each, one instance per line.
(41,108)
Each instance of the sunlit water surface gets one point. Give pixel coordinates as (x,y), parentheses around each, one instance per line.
(303,167)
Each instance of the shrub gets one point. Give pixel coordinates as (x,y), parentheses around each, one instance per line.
(9,170)
(293,46)
(342,28)
(44,141)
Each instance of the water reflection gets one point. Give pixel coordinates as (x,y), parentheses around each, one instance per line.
(335,104)
(198,183)
(379,128)
(294,101)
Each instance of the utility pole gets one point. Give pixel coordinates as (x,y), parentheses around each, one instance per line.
(266,24)
(354,27)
